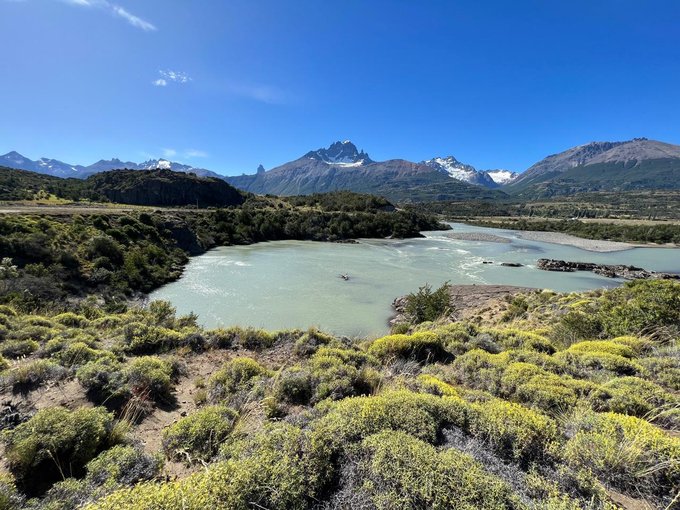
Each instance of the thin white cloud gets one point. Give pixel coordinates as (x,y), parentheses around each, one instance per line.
(195,153)
(117,11)
(171,76)
(169,153)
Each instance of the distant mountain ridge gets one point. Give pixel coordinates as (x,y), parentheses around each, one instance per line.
(342,166)
(639,163)
(58,168)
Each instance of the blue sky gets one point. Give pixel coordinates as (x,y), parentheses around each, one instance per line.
(230,84)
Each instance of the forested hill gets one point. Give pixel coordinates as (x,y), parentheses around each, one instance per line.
(138,187)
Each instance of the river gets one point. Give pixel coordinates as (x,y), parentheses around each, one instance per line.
(296,284)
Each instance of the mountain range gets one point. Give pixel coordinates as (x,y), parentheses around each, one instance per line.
(612,166)
(58,168)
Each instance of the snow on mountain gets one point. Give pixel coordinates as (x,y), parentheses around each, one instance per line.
(343,154)
(460,171)
(501,176)
(60,169)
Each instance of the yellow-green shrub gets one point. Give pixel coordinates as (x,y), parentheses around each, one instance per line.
(625,451)
(637,397)
(56,441)
(18,348)
(396,470)
(518,339)
(236,375)
(513,430)
(584,363)
(30,374)
(150,375)
(422,346)
(199,435)
(10,499)
(435,386)
(607,346)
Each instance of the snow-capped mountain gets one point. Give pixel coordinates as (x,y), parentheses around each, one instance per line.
(457,170)
(340,154)
(501,176)
(60,169)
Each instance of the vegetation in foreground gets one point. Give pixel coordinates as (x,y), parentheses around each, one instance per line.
(559,402)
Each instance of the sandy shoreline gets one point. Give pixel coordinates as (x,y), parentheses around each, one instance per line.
(477,236)
(578,242)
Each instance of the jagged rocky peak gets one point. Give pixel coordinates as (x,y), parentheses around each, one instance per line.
(260,169)
(340,153)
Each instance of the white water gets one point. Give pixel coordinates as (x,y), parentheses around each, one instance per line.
(295,284)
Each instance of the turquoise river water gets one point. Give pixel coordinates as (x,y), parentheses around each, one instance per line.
(295,284)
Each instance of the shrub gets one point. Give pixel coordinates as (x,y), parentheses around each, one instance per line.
(10,499)
(665,370)
(610,347)
(150,375)
(640,306)
(423,346)
(4,364)
(56,442)
(14,349)
(111,470)
(435,386)
(71,319)
(396,470)
(271,470)
(625,451)
(583,363)
(79,353)
(420,415)
(512,430)
(637,397)
(122,465)
(31,374)
(254,339)
(517,339)
(104,379)
(236,375)
(426,304)
(481,370)
(199,435)
(308,343)
(141,338)
(294,386)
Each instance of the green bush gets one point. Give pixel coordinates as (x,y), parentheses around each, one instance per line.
(311,341)
(199,435)
(150,375)
(112,469)
(236,375)
(4,364)
(663,369)
(423,346)
(31,374)
(426,304)
(14,349)
(271,470)
(644,399)
(294,386)
(71,319)
(396,470)
(512,430)
(10,499)
(610,347)
(585,363)
(517,339)
(104,379)
(624,451)
(640,306)
(57,442)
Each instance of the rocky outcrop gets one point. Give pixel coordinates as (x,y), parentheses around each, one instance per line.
(608,270)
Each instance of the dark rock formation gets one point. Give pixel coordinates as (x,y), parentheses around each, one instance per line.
(511,264)
(610,271)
